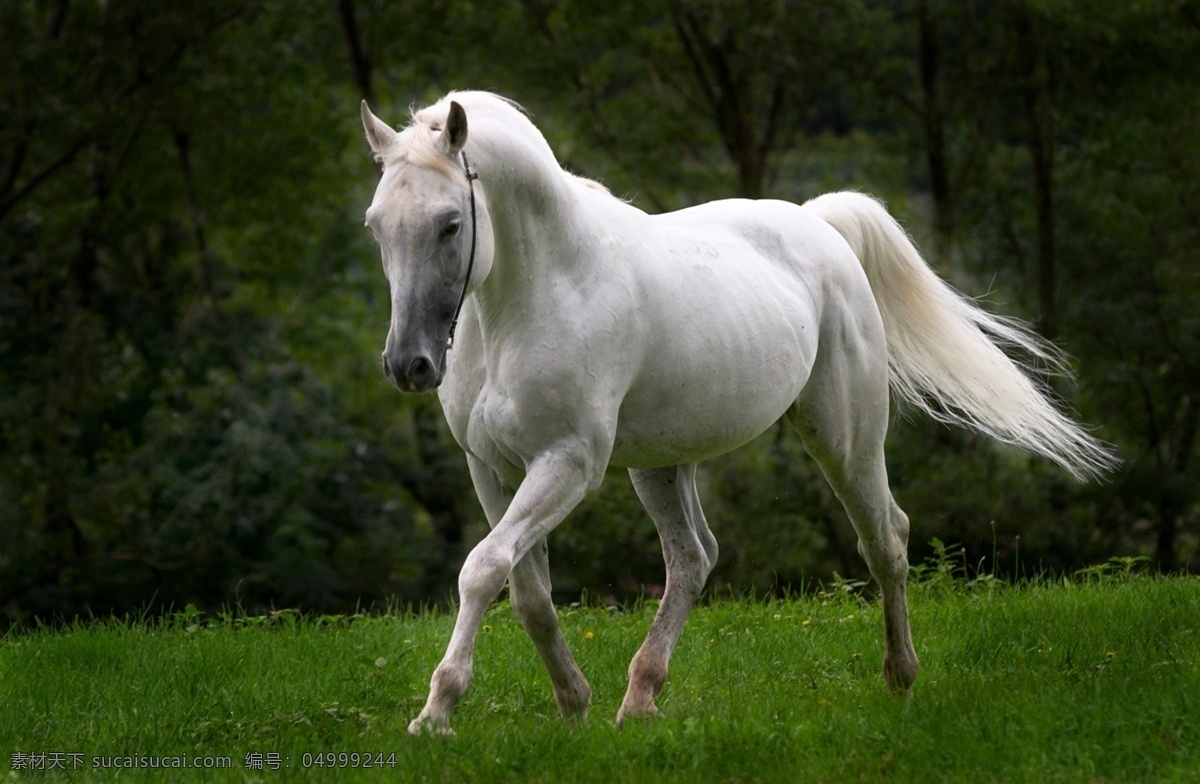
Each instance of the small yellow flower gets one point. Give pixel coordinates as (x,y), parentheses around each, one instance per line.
(805,622)
(589,636)
(1110,655)
(857,657)
(487,628)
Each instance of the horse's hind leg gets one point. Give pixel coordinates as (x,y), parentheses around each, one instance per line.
(689,550)
(842,416)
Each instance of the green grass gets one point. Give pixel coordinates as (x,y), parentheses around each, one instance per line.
(1096,680)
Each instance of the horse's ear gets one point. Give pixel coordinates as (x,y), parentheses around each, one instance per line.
(454,135)
(379,135)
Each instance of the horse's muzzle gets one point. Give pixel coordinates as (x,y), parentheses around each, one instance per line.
(418,373)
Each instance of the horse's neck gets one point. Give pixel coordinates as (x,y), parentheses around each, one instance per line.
(534,219)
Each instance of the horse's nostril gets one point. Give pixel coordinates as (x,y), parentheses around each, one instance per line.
(420,370)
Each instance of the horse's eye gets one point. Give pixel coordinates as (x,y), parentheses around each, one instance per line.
(450,229)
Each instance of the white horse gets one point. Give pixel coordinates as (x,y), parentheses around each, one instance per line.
(595,334)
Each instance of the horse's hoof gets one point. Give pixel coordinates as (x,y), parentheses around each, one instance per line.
(900,673)
(427,726)
(650,712)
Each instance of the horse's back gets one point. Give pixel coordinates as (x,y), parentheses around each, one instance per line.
(733,296)
(780,229)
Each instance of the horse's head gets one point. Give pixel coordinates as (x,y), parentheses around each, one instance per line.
(422,218)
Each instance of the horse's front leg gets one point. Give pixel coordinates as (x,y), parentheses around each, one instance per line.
(555,483)
(529,595)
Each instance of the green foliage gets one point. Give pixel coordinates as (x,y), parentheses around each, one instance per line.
(1041,681)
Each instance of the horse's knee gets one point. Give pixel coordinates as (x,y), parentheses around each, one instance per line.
(483,574)
(900,525)
(887,558)
(690,556)
(688,575)
(711,551)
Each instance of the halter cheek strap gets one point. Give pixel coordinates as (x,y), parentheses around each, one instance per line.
(462,297)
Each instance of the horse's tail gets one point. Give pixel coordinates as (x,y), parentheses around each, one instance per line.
(945,353)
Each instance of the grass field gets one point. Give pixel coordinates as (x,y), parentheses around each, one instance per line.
(1095,679)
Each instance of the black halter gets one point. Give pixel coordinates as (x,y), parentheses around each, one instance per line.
(471,177)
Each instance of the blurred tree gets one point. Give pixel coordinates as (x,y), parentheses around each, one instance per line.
(87,84)
(178,263)
(1131,228)
(746,79)
(1052,125)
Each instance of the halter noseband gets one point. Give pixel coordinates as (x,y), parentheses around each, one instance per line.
(471,177)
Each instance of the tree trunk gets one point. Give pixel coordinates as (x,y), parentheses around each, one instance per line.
(359,62)
(1175,491)
(1040,124)
(747,136)
(933,122)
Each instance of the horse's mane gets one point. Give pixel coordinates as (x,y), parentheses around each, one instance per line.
(416,143)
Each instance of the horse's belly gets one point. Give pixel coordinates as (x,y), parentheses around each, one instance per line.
(676,441)
(700,407)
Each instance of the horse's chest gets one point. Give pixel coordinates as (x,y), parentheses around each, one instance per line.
(510,425)
(491,431)
(499,435)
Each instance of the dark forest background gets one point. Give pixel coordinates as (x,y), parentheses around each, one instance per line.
(191,315)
